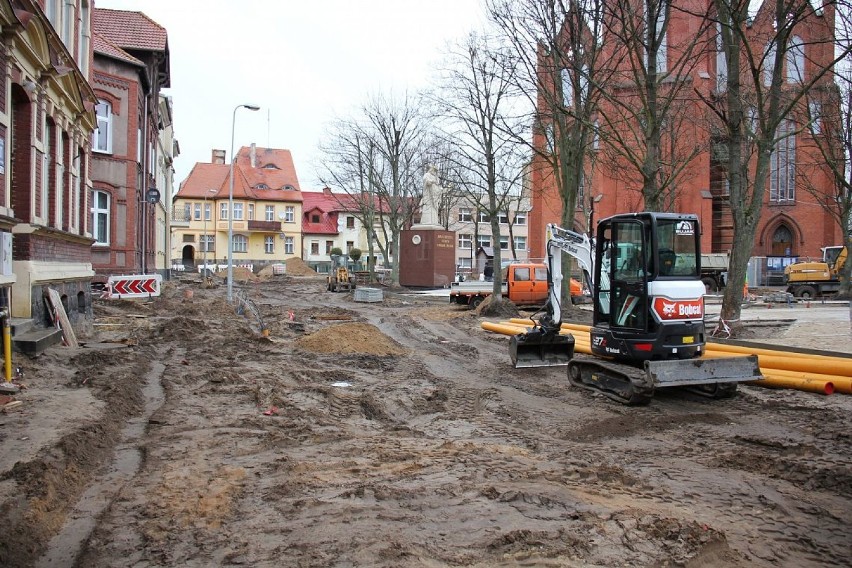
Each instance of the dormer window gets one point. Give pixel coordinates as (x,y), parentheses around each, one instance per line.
(289,187)
(262,186)
(270,167)
(315,218)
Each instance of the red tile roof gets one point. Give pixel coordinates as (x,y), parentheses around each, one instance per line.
(103,46)
(130,30)
(204,177)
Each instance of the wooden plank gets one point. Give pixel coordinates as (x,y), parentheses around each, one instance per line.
(64,322)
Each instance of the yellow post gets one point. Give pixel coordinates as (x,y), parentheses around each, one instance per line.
(7,347)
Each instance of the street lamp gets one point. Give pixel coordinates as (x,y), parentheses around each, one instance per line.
(231,206)
(592,202)
(206,243)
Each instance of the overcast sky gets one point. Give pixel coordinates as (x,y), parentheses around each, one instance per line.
(303,63)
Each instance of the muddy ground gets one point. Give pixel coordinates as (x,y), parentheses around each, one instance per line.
(393,434)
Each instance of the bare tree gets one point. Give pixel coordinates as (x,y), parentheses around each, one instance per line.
(558,67)
(764,62)
(828,116)
(647,114)
(476,94)
(377,159)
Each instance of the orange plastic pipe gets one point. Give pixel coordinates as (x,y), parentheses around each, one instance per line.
(809,385)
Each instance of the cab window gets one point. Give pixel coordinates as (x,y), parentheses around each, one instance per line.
(522,274)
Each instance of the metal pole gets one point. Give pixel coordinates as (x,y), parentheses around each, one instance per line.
(204,268)
(231,206)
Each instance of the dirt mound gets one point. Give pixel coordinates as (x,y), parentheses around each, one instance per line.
(297,267)
(240,274)
(351,338)
(503,309)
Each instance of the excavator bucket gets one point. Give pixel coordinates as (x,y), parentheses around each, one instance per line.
(538,349)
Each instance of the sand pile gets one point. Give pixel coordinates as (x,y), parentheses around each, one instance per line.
(297,267)
(351,338)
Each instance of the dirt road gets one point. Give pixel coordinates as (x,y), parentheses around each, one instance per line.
(393,434)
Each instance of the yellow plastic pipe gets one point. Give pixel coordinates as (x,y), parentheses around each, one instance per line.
(841,384)
(809,385)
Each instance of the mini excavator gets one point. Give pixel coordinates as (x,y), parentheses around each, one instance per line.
(648,312)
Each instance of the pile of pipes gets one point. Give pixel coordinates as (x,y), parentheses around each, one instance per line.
(822,374)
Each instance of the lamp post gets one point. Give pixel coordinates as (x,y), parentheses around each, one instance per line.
(231,206)
(592,202)
(206,244)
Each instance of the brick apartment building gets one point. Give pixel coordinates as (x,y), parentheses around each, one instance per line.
(131,67)
(792,225)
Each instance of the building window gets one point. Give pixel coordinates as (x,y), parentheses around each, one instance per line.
(662,52)
(223,210)
(520,243)
(483,241)
(289,245)
(769,63)
(815,110)
(521,218)
(102,141)
(350,222)
(100,217)
(465,241)
(504,243)
(795,60)
(208,243)
(68,25)
(238,211)
(188,238)
(240,243)
(315,218)
(503,217)
(289,213)
(349,246)
(465,215)
(197,215)
(208,211)
(269,211)
(251,211)
(315,248)
(269,244)
(328,246)
(484,217)
(782,174)
(721,61)
(465,262)
(83,38)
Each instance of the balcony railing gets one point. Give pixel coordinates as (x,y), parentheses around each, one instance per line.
(265,226)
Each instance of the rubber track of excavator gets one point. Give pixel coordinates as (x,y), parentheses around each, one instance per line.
(623,383)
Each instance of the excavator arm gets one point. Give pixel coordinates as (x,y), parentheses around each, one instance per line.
(542,345)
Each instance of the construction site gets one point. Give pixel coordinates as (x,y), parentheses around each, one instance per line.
(384,427)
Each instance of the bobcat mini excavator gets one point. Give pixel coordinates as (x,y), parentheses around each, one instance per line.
(648,320)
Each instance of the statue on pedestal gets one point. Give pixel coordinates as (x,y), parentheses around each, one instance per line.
(431,201)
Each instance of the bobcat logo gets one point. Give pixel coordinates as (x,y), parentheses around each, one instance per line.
(668,309)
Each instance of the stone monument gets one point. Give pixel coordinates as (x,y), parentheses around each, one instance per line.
(427,251)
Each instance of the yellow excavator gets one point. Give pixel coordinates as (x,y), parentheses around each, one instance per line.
(808,280)
(339,279)
(648,312)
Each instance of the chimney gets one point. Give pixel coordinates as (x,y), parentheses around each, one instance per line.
(218,157)
(253,155)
